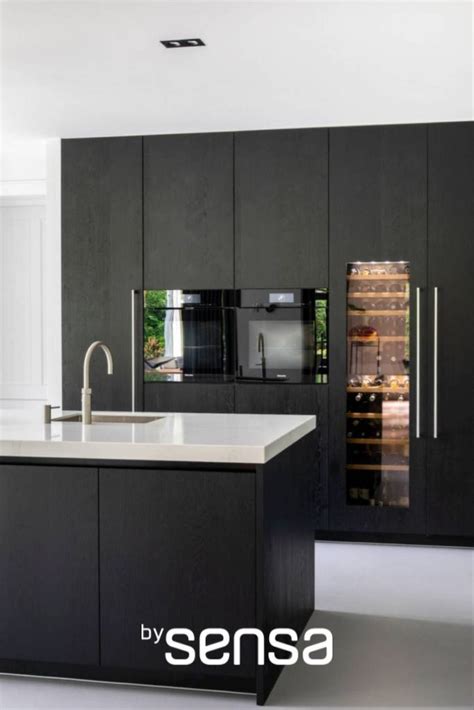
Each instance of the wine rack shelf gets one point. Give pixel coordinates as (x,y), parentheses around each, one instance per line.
(373,340)
(372,415)
(377,277)
(377,294)
(382,442)
(361,312)
(382,390)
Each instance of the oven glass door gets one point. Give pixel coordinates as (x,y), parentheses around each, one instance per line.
(188,336)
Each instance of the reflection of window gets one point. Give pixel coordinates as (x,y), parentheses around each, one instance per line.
(173,325)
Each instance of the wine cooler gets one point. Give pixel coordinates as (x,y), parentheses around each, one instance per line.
(378,384)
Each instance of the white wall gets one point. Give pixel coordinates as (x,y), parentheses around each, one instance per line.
(24,275)
(22,346)
(408,582)
(53,273)
(22,167)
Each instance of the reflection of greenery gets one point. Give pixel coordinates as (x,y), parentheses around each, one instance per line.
(321,308)
(320,325)
(154,323)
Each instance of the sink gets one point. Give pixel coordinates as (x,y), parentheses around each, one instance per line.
(109,419)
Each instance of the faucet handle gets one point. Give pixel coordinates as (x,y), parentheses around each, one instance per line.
(47,412)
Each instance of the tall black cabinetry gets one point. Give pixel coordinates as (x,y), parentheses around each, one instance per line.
(281,210)
(281,241)
(188,195)
(450,419)
(401,208)
(101,265)
(342,208)
(378,213)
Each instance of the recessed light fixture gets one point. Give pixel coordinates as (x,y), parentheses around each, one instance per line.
(178,43)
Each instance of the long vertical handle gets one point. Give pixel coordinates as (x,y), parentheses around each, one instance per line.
(133,336)
(435,363)
(418,363)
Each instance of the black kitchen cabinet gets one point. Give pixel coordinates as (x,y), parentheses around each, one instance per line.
(281,209)
(288,209)
(101,264)
(450,424)
(203,519)
(188,211)
(49,590)
(90,555)
(295,399)
(188,397)
(378,209)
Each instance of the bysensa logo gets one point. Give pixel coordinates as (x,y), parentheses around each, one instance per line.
(279,648)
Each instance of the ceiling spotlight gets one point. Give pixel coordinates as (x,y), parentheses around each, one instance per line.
(179,43)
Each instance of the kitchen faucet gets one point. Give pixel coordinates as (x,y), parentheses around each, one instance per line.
(261,349)
(86,390)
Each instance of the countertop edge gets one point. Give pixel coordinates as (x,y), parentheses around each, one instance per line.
(192,453)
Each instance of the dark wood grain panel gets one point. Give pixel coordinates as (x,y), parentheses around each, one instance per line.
(378,211)
(295,399)
(450,483)
(281,208)
(188,211)
(177,549)
(285,547)
(187,397)
(101,263)
(49,596)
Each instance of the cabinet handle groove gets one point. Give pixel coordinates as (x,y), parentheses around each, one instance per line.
(418,364)
(133,331)
(435,363)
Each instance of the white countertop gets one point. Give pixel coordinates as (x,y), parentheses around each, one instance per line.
(213,438)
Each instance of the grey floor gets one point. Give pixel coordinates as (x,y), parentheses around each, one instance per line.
(380,661)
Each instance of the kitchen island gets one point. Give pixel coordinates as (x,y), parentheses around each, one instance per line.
(188,521)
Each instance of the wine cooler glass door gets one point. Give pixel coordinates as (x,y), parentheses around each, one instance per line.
(378,384)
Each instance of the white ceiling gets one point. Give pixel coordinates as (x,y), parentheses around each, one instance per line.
(84,68)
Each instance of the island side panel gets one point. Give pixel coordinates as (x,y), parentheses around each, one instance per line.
(177,549)
(285,491)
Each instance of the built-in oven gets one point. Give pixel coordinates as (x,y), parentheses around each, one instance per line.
(189,335)
(282,335)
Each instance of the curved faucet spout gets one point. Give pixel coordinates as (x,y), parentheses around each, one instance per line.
(86,390)
(87,361)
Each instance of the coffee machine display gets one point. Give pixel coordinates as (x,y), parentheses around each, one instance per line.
(282,335)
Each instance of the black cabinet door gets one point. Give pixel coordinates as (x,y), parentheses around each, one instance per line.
(101,263)
(295,399)
(188,397)
(450,484)
(177,549)
(49,595)
(378,207)
(281,209)
(188,211)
